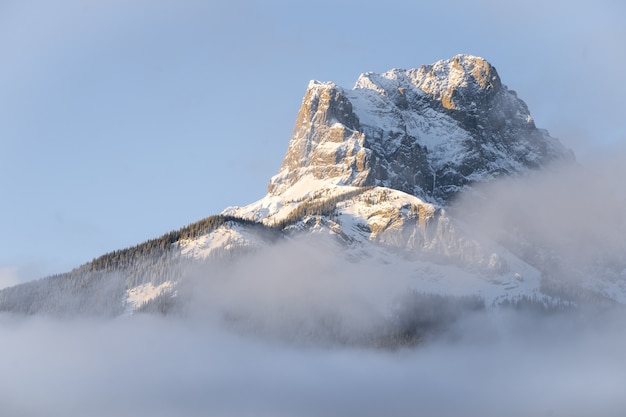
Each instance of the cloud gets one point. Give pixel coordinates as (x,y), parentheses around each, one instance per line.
(151,366)
(572,215)
(8,277)
(302,290)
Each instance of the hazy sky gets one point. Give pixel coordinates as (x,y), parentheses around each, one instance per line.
(121,120)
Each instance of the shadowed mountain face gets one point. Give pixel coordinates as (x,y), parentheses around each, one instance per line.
(429,132)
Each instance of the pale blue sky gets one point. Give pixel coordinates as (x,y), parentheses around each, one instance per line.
(123,119)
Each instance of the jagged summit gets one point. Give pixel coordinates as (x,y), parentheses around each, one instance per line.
(452,82)
(429,131)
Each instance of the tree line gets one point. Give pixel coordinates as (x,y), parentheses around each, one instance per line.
(156,247)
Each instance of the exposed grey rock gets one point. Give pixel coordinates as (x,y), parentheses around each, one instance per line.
(430,131)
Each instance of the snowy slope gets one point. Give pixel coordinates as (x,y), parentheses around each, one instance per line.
(225,238)
(383,226)
(143,293)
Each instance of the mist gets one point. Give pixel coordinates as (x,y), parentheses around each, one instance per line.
(155,366)
(568,219)
(276,335)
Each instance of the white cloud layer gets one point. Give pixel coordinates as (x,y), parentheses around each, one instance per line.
(149,366)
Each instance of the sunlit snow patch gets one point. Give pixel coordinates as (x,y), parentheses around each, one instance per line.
(141,294)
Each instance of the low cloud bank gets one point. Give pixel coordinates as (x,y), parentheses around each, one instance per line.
(154,366)
(246,347)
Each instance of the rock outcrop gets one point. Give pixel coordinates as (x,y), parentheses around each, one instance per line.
(430,131)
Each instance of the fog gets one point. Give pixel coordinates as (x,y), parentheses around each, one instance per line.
(154,366)
(276,359)
(292,330)
(571,216)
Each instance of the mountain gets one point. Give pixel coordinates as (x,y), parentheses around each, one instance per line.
(429,132)
(372,173)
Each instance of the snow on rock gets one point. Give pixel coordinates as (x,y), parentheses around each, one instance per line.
(430,131)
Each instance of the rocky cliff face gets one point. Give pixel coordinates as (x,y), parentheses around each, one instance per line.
(429,132)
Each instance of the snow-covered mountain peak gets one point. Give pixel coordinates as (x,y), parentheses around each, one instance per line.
(321,84)
(370,172)
(443,81)
(430,131)
(459,76)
